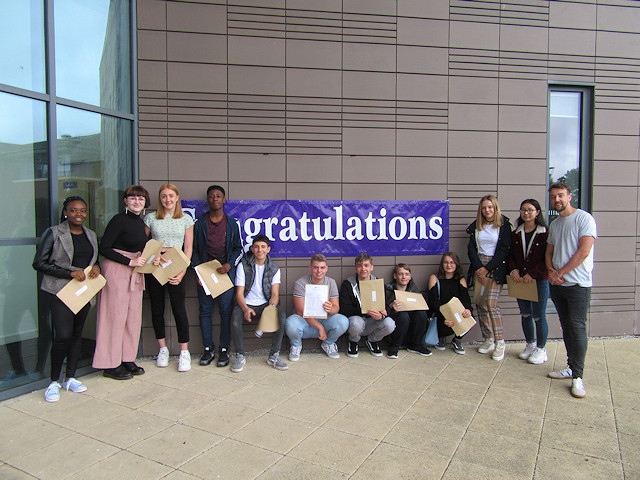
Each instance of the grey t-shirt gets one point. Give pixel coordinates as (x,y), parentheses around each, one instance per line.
(299,286)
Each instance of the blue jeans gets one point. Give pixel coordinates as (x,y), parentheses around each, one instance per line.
(225,306)
(572,305)
(536,312)
(298,328)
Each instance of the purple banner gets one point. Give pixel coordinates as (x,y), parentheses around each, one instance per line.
(340,228)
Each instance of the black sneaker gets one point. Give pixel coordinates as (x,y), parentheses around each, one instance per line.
(441,344)
(353,350)
(456,344)
(374,348)
(223,358)
(392,352)
(420,350)
(207,357)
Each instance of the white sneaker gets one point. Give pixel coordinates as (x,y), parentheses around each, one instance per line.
(528,350)
(577,388)
(331,349)
(162,360)
(76,386)
(561,374)
(294,353)
(52,393)
(487,347)
(498,351)
(538,357)
(184,362)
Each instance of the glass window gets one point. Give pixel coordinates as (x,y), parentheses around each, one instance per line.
(569,156)
(22,28)
(94,161)
(96,69)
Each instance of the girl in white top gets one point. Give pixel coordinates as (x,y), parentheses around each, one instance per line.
(173,228)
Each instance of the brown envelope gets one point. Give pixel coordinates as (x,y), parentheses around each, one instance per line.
(524,291)
(176,261)
(410,301)
(480,293)
(314,297)
(77,294)
(269,319)
(452,310)
(151,251)
(213,283)
(372,295)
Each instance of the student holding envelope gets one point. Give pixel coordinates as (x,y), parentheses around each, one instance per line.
(173,228)
(65,250)
(527,264)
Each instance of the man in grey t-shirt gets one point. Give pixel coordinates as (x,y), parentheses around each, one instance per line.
(569,260)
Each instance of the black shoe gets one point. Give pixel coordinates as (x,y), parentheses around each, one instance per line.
(392,352)
(424,351)
(441,344)
(207,357)
(374,348)
(118,373)
(353,350)
(456,344)
(223,358)
(133,368)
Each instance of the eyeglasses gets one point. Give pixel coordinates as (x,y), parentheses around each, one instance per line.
(133,198)
(529,210)
(449,263)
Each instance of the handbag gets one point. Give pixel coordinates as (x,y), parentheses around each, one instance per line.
(431,337)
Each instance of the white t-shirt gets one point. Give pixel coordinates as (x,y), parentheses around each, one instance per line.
(564,235)
(488,240)
(255,296)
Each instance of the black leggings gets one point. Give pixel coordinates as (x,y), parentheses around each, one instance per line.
(177,295)
(67,337)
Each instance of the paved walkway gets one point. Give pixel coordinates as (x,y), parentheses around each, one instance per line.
(446,416)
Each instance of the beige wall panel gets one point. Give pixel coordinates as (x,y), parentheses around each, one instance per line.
(368,191)
(256,51)
(377,7)
(368,141)
(370,57)
(359,169)
(256,80)
(421,191)
(473,116)
(422,9)
(314,191)
(473,144)
(369,85)
(257,190)
(152,45)
(423,60)
(607,324)
(520,38)
(195,47)
(198,166)
(320,5)
(151,14)
(482,36)
(615,173)
(421,170)
(523,92)
(615,249)
(472,171)
(612,274)
(616,122)
(511,196)
(529,175)
(619,19)
(196,17)
(422,142)
(522,119)
(616,223)
(615,198)
(620,45)
(522,145)
(473,90)
(313,168)
(572,15)
(153,165)
(430,33)
(314,83)
(572,42)
(253,168)
(432,88)
(152,75)
(189,77)
(615,147)
(314,54)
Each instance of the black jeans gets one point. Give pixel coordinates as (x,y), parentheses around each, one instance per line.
(410,328)
(572,305)
(67,337)
(176,296)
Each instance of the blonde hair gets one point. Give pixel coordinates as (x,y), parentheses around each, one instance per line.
(177,213)
(497,216)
